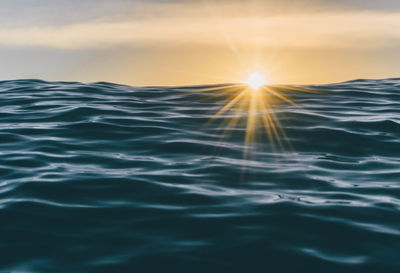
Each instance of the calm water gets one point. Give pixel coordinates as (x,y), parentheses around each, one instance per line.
(110,178)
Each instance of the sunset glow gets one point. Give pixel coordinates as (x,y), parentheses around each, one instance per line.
(255,81)
(200,42)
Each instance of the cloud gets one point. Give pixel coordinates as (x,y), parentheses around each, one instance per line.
(333,29)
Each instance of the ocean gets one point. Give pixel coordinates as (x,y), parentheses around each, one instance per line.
(101,177)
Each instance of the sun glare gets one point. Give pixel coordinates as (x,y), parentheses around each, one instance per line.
(256,104)
(256,81)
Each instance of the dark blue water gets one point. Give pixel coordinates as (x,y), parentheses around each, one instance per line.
(110,178)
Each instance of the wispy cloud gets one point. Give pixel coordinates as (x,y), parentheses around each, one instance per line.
(198,41)
(349,29)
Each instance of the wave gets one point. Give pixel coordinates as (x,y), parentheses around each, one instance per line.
(106,177)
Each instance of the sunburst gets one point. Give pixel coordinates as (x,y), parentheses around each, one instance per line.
(255,102)
(256,80)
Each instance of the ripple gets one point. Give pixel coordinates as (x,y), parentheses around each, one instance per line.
(106,177)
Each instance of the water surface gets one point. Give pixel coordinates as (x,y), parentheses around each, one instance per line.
(110,178)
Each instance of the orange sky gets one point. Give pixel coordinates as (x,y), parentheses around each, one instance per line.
(196,42)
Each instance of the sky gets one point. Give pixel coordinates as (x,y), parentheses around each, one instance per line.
(185,42)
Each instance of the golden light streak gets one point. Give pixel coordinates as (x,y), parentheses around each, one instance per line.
(255,104)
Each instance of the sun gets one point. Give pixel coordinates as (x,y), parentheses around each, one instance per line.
(255,81)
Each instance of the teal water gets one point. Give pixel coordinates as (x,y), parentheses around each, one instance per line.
(110,178)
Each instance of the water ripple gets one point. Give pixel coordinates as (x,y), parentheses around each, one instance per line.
(103,177)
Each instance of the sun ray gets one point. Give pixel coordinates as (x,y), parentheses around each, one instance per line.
(274,122)
(270,90)
(255,103)
(268,123)
(229,104)
(251,118)
(285,88)
(219,88)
